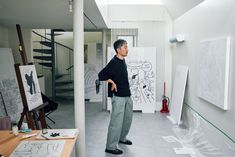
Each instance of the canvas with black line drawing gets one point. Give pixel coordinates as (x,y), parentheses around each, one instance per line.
(31,86)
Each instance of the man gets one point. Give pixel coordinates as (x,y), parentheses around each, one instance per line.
(115,73)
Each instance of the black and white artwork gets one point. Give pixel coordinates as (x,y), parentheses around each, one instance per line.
(141,79)
(29,148)
(31,86)
(10,98)
(141,66)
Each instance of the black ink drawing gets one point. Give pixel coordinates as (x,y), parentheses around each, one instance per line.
(30,82)
(39,148)
(141,79)
(31,86)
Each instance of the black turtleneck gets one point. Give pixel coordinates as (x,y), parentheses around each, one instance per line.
(116,70)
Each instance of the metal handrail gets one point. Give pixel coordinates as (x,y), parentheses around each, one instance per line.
(55,41)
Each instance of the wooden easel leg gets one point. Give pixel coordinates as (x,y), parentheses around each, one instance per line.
(42,118)
(21,120)
(35,117)
(29,118)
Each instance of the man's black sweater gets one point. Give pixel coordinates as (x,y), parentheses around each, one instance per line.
(116,70)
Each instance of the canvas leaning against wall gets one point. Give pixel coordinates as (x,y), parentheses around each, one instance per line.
(10,99)
(31,86)
(213,71)
(141,67)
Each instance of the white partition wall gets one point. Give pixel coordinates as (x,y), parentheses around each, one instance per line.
(141,66)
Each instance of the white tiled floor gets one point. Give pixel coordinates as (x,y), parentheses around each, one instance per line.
(146,132)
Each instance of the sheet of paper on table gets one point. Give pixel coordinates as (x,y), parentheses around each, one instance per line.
(31,148)
(60,134)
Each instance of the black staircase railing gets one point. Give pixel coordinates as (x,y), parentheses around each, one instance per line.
(49,58)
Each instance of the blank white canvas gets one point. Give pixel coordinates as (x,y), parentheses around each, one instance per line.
(177,98)
(213,71)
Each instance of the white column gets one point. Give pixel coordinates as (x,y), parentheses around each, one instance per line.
(104,85)
(79,103)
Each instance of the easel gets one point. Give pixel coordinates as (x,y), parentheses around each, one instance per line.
(31,117)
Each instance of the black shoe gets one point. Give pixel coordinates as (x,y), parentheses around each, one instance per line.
(115,151)
(127,142)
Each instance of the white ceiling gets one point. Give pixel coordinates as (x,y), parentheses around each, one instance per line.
(177,8)
(47,14)
(41,14)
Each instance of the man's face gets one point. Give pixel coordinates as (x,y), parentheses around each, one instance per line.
(123,51)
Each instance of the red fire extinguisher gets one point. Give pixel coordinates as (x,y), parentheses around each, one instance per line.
(165,101)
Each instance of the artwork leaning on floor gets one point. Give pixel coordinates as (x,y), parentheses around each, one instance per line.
(213,71)
(31,86)
(10,99)
(141,67)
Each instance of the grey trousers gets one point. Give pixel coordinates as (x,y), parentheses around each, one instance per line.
(120,122)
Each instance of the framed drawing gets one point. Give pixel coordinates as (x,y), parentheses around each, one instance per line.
(31,86)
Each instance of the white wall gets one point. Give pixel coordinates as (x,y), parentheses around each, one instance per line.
(9,39)
(178,7)
(92,37)
(124,13)
(64,55)
(14,43)
(91,53)
(103,8)
(210,19)
(3,37)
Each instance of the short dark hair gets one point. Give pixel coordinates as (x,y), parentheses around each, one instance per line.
(118,44)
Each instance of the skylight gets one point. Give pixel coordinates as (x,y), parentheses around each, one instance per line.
(129,2)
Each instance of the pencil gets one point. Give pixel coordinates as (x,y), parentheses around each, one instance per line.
(45,137)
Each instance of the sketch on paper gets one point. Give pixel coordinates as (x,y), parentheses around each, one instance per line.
(141,67)
(141,79)
(31,86)
(10,98)
(39,149)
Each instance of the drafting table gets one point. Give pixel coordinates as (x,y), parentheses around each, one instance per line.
(8,142)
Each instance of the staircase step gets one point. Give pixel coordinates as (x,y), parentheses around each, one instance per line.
(45,51)
(64,97)
(64,90)
(58,76)
(46,43)
(61,83)
(58,30)
(46,64)
(45,58)
(55,34)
